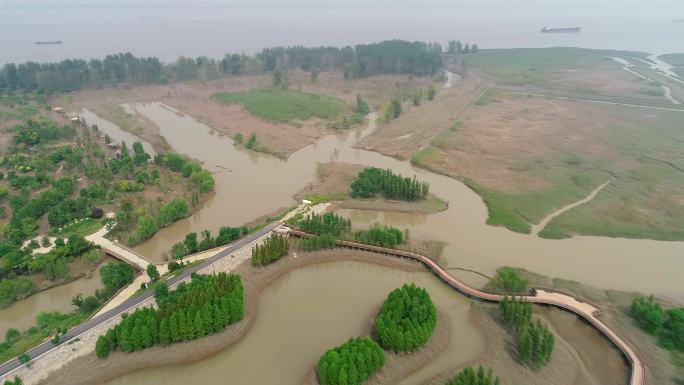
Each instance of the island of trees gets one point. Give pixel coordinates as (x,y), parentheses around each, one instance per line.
(534,340)
(204,306)
(351,363)
(373,181)
(406,320)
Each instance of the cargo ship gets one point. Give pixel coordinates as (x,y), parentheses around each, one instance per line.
(49,42)
(561,30)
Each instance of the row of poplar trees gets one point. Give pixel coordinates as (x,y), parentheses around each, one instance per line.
(406,320)
(274,248)
(351,363)
(534,340)
(470,376)
(373,181)
(204,306)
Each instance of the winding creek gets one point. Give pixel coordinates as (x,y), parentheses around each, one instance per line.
(249,185)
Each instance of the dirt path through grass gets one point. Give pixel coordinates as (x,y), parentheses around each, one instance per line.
(541,225)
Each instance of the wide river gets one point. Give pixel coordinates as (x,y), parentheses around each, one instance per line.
(249,185)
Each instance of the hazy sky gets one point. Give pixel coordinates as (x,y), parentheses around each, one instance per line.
(170,28)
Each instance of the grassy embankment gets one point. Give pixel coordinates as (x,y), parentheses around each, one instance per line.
(527,156)
(281,106)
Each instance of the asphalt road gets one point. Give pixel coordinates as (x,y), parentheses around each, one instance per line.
(126,305)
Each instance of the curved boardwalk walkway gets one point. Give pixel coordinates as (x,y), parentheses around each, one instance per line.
(540,296)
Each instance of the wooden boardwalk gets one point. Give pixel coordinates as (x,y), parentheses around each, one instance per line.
(538,295)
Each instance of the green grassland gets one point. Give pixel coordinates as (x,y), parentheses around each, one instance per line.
(537,65)
(518,211)
(283,105)
(675,59)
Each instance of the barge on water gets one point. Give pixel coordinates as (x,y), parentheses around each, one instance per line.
(561,30)
(54,42)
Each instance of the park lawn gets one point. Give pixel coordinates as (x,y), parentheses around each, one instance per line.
(539,65)
(283,106)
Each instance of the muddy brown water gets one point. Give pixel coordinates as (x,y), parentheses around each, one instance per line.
(22,314)
(249,185)
(306,312)
(309,310)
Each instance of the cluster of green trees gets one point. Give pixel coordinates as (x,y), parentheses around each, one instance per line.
(275,247)
(205,306)
(327,223)
(114,276)
(534,340)
(393,56)
(380,235)
(351,363)
(535,343)
(191,245)
(406,320)
(666,325)
(470,376)
(516,311)
(198,177)
(455,46)
(373,181)
(508,280)
(319,242)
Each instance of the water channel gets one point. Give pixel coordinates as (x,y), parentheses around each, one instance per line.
(249,185)
(311,309)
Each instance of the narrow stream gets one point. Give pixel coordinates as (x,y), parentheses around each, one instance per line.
(249,185)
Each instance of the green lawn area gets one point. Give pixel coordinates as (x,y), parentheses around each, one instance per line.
(535,65)
(284,105)
(518,211)
(83,228)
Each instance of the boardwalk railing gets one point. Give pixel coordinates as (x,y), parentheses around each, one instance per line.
(551,297)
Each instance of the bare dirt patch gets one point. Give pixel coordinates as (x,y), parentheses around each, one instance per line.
(417,126)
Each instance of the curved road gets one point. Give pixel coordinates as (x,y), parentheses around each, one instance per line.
(45,347)
(540,296)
